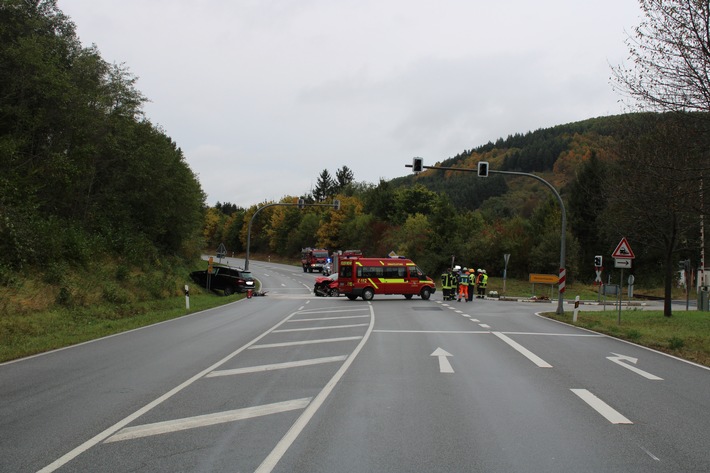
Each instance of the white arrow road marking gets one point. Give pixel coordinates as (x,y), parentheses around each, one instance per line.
(176,425)
(611,414)
(444,365)
(621,359)
(523,351)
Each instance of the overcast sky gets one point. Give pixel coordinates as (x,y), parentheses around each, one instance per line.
(262,95)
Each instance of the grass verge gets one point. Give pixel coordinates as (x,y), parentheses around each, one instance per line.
(686,334)
(24,334)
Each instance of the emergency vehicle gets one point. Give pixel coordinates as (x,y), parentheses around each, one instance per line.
(313,259)
(365,277)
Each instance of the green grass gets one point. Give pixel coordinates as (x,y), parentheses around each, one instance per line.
(686,334)
(28,334)
(61,308)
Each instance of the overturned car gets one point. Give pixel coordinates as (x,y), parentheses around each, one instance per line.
(226,279)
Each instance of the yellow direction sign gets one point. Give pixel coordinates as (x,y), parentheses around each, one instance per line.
(544,278)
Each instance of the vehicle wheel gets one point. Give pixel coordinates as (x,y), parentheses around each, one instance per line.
(426,293)
(367,294)
(351,297)
(334,292)
(228,291)
(407,296)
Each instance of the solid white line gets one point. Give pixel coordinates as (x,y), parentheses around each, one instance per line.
(601,407)
(339,317)
(523,351)
(308,329)
(277,366)
(64,459)
(329,310)
(278,452)
(431,331)
(647,452)
(556,334)
(305,342)
(176,425)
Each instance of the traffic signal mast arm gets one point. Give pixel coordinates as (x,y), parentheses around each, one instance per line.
(484,173)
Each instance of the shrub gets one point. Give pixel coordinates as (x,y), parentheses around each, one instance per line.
(675,343)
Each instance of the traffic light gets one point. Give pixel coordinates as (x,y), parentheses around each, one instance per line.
(598,261)
(417,164)
(301,203)
(336,204)
(483,169)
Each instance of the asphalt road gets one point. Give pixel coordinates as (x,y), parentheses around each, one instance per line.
(291,382)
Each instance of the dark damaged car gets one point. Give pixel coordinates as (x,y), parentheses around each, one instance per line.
(225,279)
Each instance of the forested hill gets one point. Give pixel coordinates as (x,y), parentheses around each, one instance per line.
(554,153)
(82,171)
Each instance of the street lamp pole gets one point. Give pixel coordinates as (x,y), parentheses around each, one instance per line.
(301,203)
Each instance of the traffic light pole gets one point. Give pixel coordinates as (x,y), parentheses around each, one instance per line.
(418,166)
(300,204)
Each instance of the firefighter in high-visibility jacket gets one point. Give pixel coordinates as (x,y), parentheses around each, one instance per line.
(446,284)
(463,285)
(471,284)
(482,281)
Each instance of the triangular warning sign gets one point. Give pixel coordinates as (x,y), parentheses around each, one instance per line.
(623,250)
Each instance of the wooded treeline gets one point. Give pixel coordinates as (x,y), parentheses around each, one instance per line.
(82,171)
(602,167)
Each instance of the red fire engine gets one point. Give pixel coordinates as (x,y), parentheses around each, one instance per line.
(313,259)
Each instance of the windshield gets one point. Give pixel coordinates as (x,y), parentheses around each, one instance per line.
(246,275)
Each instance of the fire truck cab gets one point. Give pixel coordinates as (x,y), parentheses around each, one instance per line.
(313,259)
(365,277)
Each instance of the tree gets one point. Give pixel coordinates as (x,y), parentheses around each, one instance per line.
(671,54)
(654,188)
(343,178)
(325,186)
(671,72)
(585,204)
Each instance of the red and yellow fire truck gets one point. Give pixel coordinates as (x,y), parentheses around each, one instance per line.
(365,277)
(313,259)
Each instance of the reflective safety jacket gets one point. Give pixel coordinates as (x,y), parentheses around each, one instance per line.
(446,281)
(484,280)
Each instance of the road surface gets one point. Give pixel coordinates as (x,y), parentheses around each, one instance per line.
(291,382)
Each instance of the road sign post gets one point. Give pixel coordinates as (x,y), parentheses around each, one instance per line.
(623,255)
